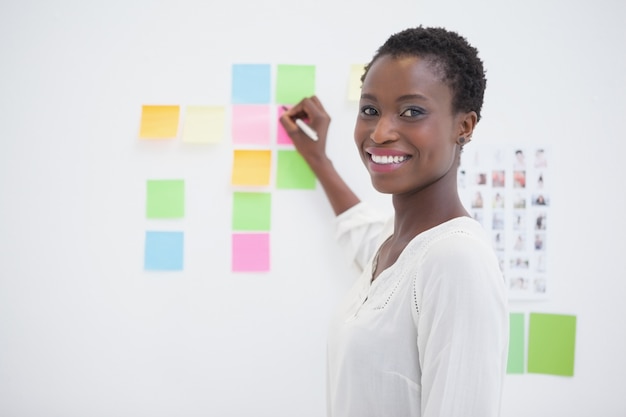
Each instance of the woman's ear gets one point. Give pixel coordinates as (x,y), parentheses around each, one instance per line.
(467,123)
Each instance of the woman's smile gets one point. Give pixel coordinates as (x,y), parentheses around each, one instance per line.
(385,160)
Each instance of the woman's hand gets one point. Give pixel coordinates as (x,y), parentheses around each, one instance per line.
(312,112)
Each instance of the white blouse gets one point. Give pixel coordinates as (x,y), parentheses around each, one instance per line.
(429,337)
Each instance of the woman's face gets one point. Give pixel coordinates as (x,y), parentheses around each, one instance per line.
(405,131)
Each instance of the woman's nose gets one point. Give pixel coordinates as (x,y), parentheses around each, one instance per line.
(384,131)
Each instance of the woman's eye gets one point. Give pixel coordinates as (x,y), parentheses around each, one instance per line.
(412,112)
(369,111)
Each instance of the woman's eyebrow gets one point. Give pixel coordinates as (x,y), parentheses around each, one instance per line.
(405,97)
(416,96)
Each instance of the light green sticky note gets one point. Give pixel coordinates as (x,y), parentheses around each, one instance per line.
(251,211)
(515,364)
(165,199)
(551,344)
(292,172)
(294,82)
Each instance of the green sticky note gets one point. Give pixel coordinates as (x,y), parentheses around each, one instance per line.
(294,82)
(515,364)
(251,211)
(165,199)
(551,343)
(292,172)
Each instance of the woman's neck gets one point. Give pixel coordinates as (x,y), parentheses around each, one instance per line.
(425,209)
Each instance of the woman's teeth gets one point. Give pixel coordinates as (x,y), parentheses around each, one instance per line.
(388,159)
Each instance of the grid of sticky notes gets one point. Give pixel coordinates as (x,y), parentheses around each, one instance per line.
(199,124)
(546,347)
(165,203)
(264,158)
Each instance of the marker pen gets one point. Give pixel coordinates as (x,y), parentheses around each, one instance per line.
(304,127)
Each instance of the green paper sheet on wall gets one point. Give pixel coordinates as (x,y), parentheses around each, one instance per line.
(515,364)
(551,344)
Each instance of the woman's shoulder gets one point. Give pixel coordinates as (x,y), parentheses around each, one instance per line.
(460,239)
(453,230)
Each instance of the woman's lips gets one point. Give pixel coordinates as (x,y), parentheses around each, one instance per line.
(388,159)
(385,160)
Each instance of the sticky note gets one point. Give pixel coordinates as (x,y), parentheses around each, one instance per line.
(251,83)
(165,199)
(204,124)
(551,344)
(354,82)
(250,252)
(251,167)
(159,122)
(294,82)
(251,211)
(282,138)
(251,124)
(292,171)
(515,364)
(164,251)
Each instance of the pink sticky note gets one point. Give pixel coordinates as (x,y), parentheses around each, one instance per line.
(282,138)
(251,252)
(251,124)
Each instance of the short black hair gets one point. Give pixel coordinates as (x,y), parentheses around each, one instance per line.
(451,55)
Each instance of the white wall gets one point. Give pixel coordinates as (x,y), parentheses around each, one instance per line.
(85,331)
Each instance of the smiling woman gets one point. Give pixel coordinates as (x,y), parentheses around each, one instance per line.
(424,330)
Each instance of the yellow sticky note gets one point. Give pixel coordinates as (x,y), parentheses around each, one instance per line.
(159,122)
(354,82)
(204,124)
(251,167)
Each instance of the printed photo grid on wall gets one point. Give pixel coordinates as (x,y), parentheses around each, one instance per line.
(506,189)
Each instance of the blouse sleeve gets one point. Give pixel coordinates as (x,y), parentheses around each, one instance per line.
(462,327)
(358,232)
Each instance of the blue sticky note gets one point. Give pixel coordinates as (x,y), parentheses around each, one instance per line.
(251,84)
(164,251)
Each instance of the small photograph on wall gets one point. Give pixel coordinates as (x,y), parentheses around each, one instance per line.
(505,188)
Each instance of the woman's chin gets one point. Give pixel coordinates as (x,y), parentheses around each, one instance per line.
(383,188)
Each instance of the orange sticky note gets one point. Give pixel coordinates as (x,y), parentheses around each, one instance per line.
(251,167)
(159,122)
